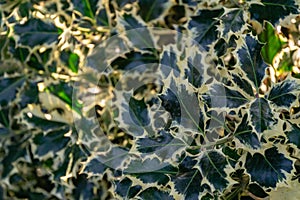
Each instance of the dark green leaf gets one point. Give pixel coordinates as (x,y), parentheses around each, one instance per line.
(85,188)
(43,124)
(232,21)
(221,96)
(14,152)
(282,94)
(9,88)
(150,9)
(212,165)
(164,144)
(137,33)
(243,84)
(95,167)
(154,193)
(168,62)
(251,60)
(205,26)
(125,189)
(188,180)
(273,44)
(267,170)
(36,32)
(51,142)
(273,10)
(153,173)
(245,134)
(102,18)
(261,115)
(194,71)
(294,135)
(86,7)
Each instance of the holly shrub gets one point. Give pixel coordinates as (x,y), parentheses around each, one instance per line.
(143,99)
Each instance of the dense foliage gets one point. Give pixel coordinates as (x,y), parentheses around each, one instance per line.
(142,99)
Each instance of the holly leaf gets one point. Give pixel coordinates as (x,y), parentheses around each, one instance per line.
(137,33)
(204,26)
(150,10)
(9,88)
(126,189)
(86,8)
(154,193)
(261,115)
(221,96)
(268,169)
(294,135)
(188,180)
(164,145)
(36,32)
(52,141)
(273,43)
(251,60)
(212,165)
(243,84)
(283,93)
(267,8)
(232,20)
(246,135)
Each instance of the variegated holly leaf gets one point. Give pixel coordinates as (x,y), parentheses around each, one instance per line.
(268,169)
(194,71)
(204,26)
(14,152)
(261,115)
(233,21)
(221,96)
(125,188)
(242,83)
(136,31)
(9,88)
(251,60)
(246,135)
(51,142)
(266,9)
(151,10)
(164,145)
(283,94)
(212,165)
(151,170)
(188,181)
(294,135)
(154,193)
(36,32)
(168,62)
